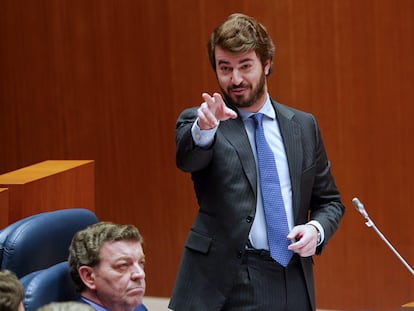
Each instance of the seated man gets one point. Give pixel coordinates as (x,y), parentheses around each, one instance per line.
(11,292)
(106,263)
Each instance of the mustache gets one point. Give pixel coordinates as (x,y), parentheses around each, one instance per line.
(241,85)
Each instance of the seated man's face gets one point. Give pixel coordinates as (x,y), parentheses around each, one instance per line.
(119,279)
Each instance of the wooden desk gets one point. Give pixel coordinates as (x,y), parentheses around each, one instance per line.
(406,307)
(49,185)
(4,207)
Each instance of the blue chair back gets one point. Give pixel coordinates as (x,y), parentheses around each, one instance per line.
(48,285)
(4,233)
(42,240)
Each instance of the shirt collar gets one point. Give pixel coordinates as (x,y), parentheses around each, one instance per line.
(93,304)
(267,110)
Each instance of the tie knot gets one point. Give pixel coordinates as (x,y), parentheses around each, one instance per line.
(257,117)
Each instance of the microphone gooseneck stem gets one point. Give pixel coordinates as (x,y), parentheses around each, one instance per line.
(391,247)
(371,224)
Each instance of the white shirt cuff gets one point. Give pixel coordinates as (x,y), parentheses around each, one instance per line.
(202,138)
(320,229)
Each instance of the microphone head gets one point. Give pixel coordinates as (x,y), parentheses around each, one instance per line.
(357,203)
(359,206)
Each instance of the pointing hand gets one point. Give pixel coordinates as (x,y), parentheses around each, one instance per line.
(212,111)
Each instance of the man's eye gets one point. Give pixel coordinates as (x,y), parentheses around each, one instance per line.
(246,66)
(122,266)
(142,263)
(225,69)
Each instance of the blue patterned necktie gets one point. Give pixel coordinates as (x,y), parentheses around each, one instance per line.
(276,220)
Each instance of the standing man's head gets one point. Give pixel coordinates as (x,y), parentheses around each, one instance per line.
(106,263)
(241,52)
(11,292)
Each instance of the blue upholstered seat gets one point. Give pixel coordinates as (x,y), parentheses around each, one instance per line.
(5,232)
(41,240)
(48,285)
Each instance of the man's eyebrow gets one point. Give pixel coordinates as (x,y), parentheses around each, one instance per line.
(123,258)
(223,62)
(244,60)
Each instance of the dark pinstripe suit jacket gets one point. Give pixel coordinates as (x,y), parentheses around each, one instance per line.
(225,182)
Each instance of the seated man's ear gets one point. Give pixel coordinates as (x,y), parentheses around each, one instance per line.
(87,275)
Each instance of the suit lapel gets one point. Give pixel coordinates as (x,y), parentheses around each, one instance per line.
(235,133)
(291,135)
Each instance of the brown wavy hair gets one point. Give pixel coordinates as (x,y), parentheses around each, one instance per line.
(240,33)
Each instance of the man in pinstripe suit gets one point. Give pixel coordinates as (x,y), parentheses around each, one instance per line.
(226,263)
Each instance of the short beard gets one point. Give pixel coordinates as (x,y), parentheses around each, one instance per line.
(239,102)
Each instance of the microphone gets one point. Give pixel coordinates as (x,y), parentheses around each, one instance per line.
(360,208)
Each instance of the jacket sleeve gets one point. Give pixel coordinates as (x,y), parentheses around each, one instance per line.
(189,157)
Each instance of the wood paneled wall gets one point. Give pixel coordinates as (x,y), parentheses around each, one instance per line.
(106,80)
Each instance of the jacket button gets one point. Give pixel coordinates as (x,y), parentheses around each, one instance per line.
(239,255)
(249,219)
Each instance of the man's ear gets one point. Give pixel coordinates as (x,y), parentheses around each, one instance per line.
(87,276)
(267,67)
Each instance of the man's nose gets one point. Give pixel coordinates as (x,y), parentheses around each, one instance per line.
(138,272)
(236,77)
